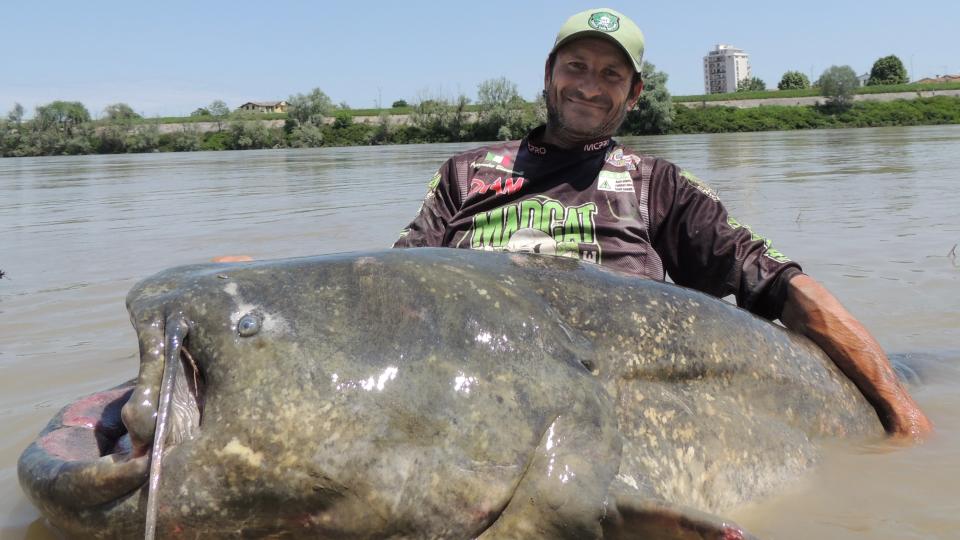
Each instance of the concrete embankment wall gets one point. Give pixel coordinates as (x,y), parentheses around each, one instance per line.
(401,119)
(207,127)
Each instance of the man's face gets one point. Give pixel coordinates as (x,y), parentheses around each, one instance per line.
(588,91)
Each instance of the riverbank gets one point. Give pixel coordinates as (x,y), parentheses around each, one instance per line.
(773,118)
(916,112)
(443,125)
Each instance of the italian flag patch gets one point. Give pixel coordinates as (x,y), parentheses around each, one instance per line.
(501,160)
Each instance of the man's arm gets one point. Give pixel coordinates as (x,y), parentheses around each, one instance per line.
(431,225)
(811,310)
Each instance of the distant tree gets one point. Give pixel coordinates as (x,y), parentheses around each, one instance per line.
(247,134)
(793,80)
(838,84)
(119,112)
(187,139)
(306,136)
(200,111)
(441,120)
(539,111)
(496,92)
(218,108)
(65,115)
(343,106)
(311,108)
(143,138)
(382,130)
(399,103)
(342,119)
(16,114)
(500,110)
(753,84)
(654,112)
(888,70)
(219,111)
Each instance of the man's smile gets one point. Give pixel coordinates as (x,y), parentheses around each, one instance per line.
(576,101)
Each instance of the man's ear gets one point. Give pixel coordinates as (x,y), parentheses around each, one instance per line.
(547,72)
(635,93)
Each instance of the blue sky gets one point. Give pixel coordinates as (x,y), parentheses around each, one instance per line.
(169,58)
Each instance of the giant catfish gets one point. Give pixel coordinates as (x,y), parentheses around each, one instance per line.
(441,393)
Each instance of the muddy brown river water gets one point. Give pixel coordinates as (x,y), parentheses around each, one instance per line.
(872,213)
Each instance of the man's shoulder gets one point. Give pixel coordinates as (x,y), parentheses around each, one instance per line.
(663,173)
(621,155)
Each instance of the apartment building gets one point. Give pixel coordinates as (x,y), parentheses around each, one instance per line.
(723,68)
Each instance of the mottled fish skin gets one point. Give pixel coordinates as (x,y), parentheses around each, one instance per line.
(439,393)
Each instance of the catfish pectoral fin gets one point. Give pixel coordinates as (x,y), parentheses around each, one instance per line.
(632,517)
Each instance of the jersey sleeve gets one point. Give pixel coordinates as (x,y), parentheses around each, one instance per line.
(704,248)
(430,226)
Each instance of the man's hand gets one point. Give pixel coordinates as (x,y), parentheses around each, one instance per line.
(232,258)
(811,310)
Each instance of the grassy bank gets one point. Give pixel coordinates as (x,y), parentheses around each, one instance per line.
(814,92)
(921,111)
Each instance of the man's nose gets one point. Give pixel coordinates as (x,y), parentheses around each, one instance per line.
(589,86)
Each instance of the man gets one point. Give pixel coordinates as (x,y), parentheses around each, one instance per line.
(568,189)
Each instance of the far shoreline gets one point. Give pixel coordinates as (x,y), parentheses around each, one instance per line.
(457,124)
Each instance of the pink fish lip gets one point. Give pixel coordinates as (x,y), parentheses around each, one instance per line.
(97,413)
(84,450)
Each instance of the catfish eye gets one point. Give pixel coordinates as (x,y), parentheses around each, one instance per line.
(248,325)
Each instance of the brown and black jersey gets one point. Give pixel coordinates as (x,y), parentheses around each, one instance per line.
(601,203)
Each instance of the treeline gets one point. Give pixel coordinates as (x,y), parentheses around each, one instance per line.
(66,128)
(499,113)
(312,120)
(887,72)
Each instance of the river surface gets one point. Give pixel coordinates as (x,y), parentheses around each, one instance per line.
(872,213)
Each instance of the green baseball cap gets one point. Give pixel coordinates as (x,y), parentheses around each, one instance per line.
(608,24)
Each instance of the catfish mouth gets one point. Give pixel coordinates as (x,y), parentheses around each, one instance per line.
(89,454)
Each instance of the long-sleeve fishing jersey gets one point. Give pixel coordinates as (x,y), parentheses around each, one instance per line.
(604,204)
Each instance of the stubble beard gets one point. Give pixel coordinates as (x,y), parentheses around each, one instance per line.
(564,132)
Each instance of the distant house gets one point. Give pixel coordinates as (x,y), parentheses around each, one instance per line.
(940,79)
(863,79)
(265,106)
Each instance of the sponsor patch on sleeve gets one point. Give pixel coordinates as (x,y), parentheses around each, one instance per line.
(616,181)
(434,182)
(701,186)
(770,251)
(617,158)
(431,191)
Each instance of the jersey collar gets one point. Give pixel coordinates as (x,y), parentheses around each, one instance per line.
(534,145)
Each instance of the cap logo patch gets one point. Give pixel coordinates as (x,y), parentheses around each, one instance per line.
(603,21)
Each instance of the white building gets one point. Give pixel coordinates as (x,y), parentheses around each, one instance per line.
(724,68)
